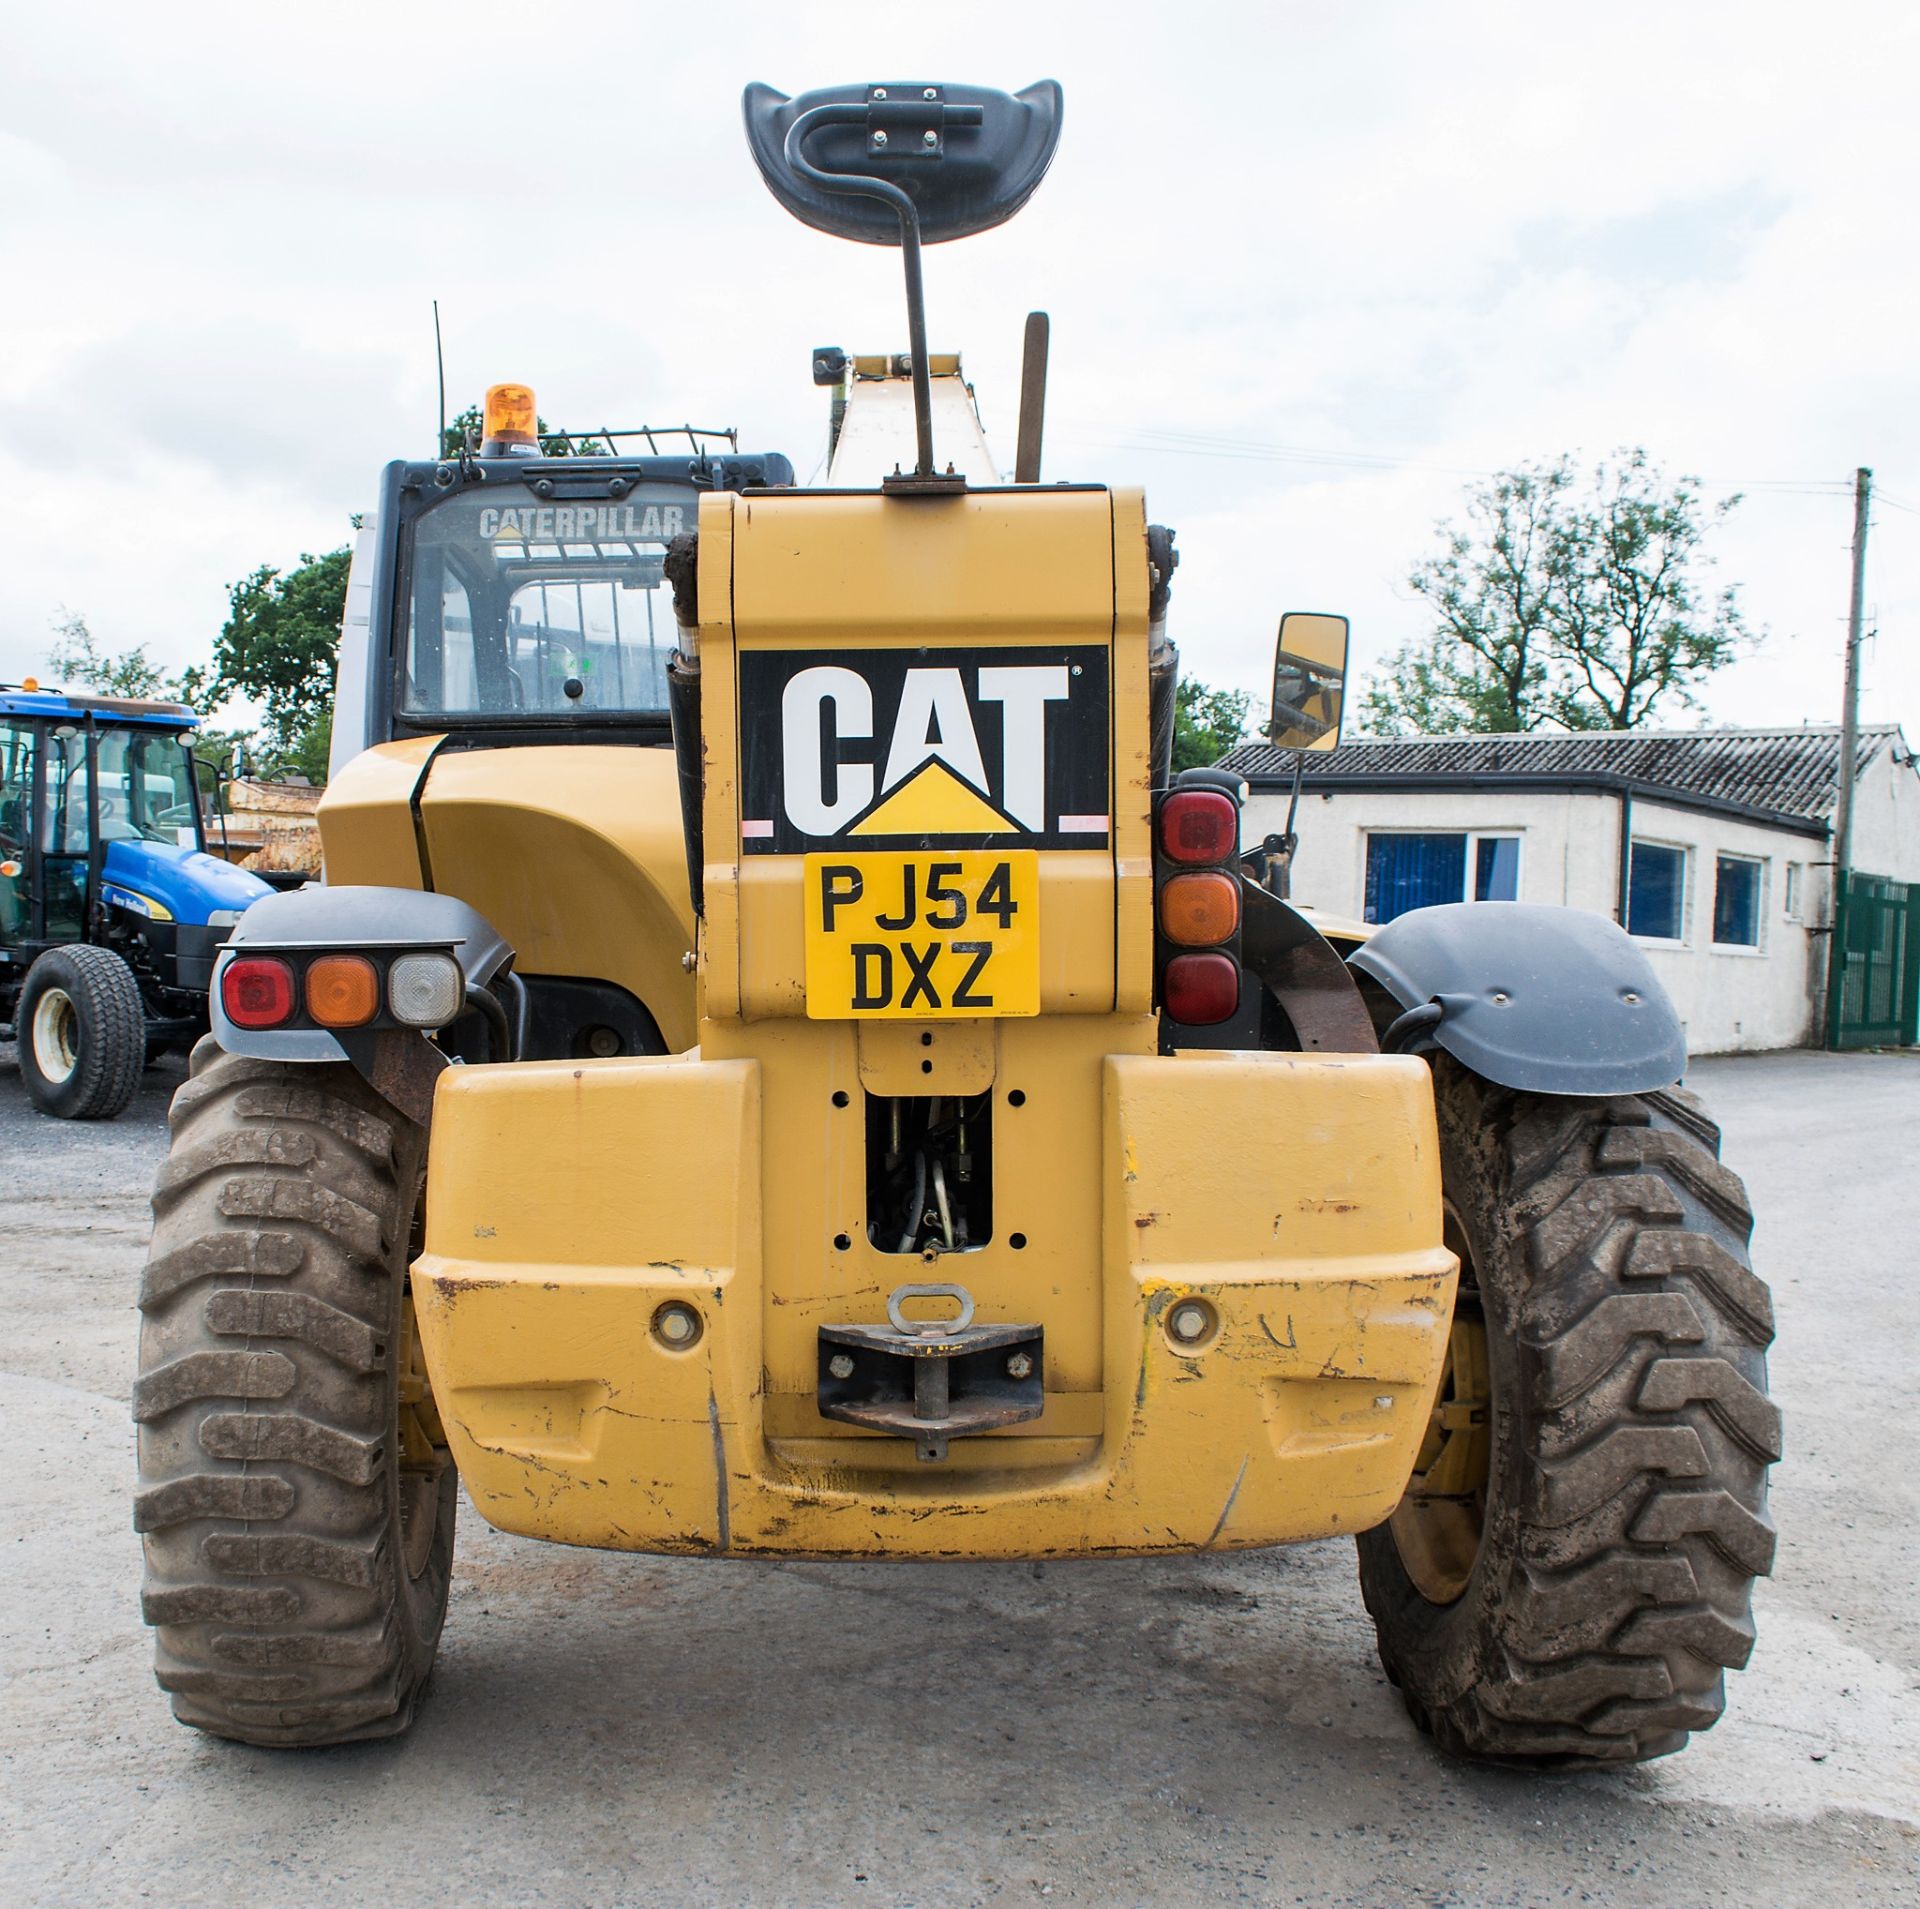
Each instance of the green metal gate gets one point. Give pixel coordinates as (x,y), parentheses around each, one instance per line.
(1874,996)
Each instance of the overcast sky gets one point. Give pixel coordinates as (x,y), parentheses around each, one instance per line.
(1311,269)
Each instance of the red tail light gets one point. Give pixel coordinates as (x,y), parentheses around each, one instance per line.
(257,991)
(1199,825)
(1201,989)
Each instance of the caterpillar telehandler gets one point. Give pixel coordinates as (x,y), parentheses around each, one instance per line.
(842,1097)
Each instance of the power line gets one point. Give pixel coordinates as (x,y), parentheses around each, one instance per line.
(1250,450)
(1240,450)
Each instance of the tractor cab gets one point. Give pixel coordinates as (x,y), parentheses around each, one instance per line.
(103,850)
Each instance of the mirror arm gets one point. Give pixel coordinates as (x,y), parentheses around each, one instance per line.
(889,194)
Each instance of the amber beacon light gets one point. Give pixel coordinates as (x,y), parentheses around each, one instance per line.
(511,422)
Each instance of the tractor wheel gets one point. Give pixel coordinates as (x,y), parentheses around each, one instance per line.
(296,1494)
(82,1033)
(1570,1573)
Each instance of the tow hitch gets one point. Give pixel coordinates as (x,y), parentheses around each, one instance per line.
(931,1380)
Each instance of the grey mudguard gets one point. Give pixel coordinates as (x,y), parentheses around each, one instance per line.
(343,919)
(1545,1000)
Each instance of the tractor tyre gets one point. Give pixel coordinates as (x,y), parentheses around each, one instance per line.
(1570,1573)
(296,1494)
(82,1033)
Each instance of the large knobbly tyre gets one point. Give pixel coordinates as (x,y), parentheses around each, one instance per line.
(82,1033)
(1571,1573)
(296,1495)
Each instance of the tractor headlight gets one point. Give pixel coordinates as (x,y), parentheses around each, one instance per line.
(425,990)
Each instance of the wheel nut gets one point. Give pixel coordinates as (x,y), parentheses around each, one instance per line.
(840,1366)
(1020,1366)
(1190,1322)
(676,1326)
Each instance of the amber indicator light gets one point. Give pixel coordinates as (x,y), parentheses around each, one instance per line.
(1198,911)
(343,990)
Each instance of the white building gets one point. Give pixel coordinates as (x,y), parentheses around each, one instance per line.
(1714,849)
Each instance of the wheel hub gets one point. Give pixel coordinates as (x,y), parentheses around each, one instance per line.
(1438,1525)
(56,1036)
(423,1452)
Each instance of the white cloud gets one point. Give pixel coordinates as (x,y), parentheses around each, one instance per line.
(1445,238)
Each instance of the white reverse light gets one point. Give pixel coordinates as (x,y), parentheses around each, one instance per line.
(425,990)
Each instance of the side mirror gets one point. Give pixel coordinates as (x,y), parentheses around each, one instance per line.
(1309,681)
(963,158)
(905,165)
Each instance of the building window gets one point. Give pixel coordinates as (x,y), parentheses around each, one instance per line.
(1496,868)
(1657,892)
(1737,882)
(1796,874)
(1406,871)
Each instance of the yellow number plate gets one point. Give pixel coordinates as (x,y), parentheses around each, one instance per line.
(927,936)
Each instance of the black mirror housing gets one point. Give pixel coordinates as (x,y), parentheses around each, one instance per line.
(962,177)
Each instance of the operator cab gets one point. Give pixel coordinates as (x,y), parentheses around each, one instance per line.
(516,592)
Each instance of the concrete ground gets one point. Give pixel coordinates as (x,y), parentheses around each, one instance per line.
(616,1729)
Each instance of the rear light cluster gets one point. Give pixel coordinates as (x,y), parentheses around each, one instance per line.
(1197,904)
(263,991)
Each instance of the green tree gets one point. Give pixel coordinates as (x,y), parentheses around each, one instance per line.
(76,657)
(1639,618)
(1564,604)
(1207,723)
(307,754)
(279,644)
(1491,588)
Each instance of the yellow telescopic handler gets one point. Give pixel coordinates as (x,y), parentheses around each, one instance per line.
(780,1067)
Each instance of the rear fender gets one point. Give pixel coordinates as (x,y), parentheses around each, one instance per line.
(1543,1000)
(399,1063)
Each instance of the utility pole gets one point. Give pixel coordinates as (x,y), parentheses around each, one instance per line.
(1849,752)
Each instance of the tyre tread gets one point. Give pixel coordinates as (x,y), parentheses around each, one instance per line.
(1641,1520)
(268,1501)
(112,1051)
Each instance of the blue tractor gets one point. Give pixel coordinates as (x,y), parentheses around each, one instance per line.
(111,909)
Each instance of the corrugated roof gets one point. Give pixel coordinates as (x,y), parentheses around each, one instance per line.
(1788,772)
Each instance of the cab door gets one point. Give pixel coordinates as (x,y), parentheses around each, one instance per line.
(16,831)
(66,832)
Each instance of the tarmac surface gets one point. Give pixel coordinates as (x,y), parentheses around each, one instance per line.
(613,1729)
